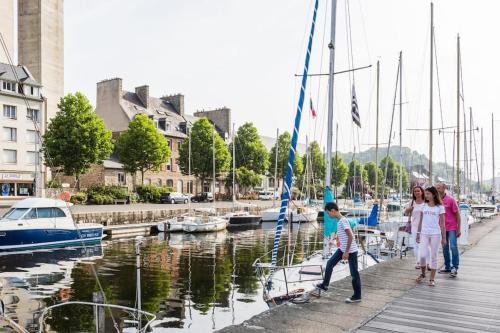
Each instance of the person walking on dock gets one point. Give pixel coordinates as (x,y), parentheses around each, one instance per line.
(413,210)
(452,224)
(347,251)
(431,232)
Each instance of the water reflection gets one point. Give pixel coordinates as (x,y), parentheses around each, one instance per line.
(193,283)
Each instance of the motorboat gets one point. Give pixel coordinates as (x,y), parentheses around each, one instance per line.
(173,224)
(204,224)
(41,222)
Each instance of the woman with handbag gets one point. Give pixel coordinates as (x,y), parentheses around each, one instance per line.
(413,210)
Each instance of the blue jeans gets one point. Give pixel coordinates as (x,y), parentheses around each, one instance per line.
(451,245)
(353,268)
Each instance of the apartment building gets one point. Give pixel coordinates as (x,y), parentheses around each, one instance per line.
(21,124)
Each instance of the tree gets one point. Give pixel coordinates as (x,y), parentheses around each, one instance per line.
(284,143)
(339,171)
(356,178)
(393,168)
(201,152)
(317,161)
(142,147)
(372,171)
(250,151)
(76,137)
(246,178)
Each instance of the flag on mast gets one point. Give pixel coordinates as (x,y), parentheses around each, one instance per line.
(313,111)
(354,108)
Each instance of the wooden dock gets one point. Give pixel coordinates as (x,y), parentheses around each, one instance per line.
(393,302)
(468,303)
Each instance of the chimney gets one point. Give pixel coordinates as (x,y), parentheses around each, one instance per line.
(143,93)
(109,92)
(177,101)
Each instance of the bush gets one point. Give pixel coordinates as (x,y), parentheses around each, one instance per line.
(152,193)
(78,198)
(102,199)
(113,191)
(54,184)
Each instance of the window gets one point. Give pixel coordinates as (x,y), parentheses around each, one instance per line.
(15,213)
(32,157)
(57,212)
(33,114)
(25,189)
(10,111)
(170,183)
(9,156)
(179,145)
(9,86)
(167,126)
(31,214)
(32,137)
(121,178)
(161,124)
(147,181)
(10,134)
(44,213)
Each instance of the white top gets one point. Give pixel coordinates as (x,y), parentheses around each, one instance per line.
(342,226)
(41,203)
(415,215)
(430,220)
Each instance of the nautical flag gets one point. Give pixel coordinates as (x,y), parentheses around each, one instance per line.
(313,111)
(354,108)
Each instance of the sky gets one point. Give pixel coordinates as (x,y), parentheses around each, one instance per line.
(244,55)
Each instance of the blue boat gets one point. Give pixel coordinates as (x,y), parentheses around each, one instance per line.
(42,223)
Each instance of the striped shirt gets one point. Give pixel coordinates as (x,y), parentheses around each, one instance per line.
(342,226)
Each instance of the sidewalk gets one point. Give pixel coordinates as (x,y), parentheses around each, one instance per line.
(388,285)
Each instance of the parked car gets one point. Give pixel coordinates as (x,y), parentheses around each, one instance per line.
(268,195)
(174,197)
(203,197)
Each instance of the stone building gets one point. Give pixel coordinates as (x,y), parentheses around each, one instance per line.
(118,107)
(21,124)
(41,46)
(221,118)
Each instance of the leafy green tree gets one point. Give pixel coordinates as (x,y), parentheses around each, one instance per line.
(246,178)
(249,150)
(284,143)
(393,168)
(201,152)
(373,171)
(142,147)
(76,137)
(317,161)
(356,179)
(339,171)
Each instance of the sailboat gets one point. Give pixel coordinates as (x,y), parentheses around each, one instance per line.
(240,217)
(289,281)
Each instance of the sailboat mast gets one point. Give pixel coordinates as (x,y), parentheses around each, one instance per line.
(376,132)
(190,181)
(470,149)
(213,163)
(493,188)
(465,155)
(234,169)
(401,130)
(336,152)
(328,175)
(431,90)
(276,184)
(482,165)
(457,189)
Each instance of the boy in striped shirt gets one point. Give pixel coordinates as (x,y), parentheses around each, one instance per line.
(347,251)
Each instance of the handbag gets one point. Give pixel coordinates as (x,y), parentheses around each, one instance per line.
(408,224)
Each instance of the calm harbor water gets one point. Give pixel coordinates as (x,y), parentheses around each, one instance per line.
(193,283)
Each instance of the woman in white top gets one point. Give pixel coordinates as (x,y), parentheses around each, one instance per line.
(431,232)
(413,209)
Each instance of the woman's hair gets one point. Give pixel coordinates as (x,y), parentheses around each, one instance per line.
(435,195)
(421,190)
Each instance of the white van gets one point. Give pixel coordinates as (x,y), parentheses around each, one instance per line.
(268,195)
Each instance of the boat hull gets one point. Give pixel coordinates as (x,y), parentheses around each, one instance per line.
(210,226)
(245,220)
(12,240)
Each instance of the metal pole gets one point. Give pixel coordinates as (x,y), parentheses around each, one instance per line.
(138,286)
(276,184)
(376,132)
(190,181)
(493,187)
(470,149)
(458,120)
(331,46)
(336,153)
(453,185)
(465,155)
(234,170)
(213,164)
(482,165)
(431,90)
(401,132)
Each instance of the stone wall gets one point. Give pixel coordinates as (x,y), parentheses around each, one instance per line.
(220,117)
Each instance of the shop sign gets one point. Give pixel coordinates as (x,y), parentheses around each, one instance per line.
(11,176)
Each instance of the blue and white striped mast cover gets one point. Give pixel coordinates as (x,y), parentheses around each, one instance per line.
(285,197)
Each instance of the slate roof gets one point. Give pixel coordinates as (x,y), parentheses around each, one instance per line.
(8,74)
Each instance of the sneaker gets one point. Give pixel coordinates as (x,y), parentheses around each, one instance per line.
(352,300)
(320,286)
(453,272)
(444,271)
